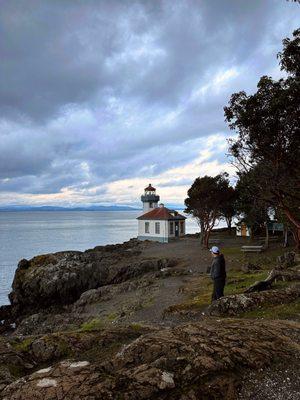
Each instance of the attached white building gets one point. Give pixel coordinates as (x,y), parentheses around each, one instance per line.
(157,222)
(243,230)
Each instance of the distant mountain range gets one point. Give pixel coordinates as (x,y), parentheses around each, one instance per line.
(57,208)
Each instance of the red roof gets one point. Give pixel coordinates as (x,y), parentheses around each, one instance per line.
(150,188)
(162,213)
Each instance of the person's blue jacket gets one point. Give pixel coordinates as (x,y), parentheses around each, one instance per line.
(218,268)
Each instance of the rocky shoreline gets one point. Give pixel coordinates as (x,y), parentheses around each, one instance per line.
(122,322)
(52,281)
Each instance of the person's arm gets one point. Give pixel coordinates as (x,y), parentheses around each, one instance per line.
(216,268)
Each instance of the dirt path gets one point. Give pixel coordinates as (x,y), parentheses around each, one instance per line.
(169,293)
(187,249)
(147,304)
(144,305)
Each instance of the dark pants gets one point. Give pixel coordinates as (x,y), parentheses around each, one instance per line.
(218,289)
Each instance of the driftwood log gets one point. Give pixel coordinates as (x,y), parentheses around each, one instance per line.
(275,274)
(282,271)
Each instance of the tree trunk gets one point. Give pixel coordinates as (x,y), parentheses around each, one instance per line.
(202,233)
(296,224)
(206,239)
(229,222)
(251,233)
(267,237)
(285,236)
(298,240)
(296,236)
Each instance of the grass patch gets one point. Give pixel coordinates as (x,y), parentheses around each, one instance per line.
(92,325)
(279,311)
(238,282)
(112,316)
(229,251)
(266,260)
(136,327)
(23,346)
(201,291)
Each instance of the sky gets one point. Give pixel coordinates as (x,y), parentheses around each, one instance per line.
(100,98)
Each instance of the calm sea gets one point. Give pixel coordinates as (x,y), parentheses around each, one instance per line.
(26,234)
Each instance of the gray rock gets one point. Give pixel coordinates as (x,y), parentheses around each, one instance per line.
(238,303)
(204,360)
(60,278)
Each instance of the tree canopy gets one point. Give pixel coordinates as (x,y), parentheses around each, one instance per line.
(205,199)
(268,127)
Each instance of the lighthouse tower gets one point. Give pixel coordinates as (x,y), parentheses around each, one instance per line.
(150,199)
(158,223)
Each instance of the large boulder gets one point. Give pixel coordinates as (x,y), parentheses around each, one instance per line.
(60,278)
(207,360)
(238,303)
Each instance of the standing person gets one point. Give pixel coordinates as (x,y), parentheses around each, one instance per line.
(218,273)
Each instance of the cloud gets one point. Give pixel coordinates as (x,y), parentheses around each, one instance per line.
(97,95)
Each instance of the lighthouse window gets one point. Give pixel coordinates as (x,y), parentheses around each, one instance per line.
(146,227)
(157,227)
(182,227)
(171,228)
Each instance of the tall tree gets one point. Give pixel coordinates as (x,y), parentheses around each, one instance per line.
(268,127)
(251,209)
(228,206)
(204,202)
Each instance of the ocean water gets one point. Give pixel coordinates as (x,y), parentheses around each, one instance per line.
(27,234)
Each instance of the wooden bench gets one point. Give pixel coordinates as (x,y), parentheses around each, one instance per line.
(252,249)
(272,239)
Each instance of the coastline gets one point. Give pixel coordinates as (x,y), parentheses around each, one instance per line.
(25,235)
(140,313)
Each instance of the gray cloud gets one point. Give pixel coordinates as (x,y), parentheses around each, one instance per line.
(95,91)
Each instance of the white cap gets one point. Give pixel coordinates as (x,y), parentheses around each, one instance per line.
(215,250)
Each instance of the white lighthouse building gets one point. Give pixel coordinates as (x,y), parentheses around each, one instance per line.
(157,222)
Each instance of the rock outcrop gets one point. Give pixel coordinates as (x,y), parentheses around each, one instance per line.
(236,304)
(12,364)
(92,325)
(91,342)
(60,278)
(201,360)
(104,293)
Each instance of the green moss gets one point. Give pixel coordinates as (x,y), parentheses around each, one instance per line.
(63,346)
(112,316)
(136,327)
(93,325)
(23,346)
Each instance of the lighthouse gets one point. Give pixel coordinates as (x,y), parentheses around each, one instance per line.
(158,223)
(149,199)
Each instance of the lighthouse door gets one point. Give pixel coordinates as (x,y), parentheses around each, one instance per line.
(176,229)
